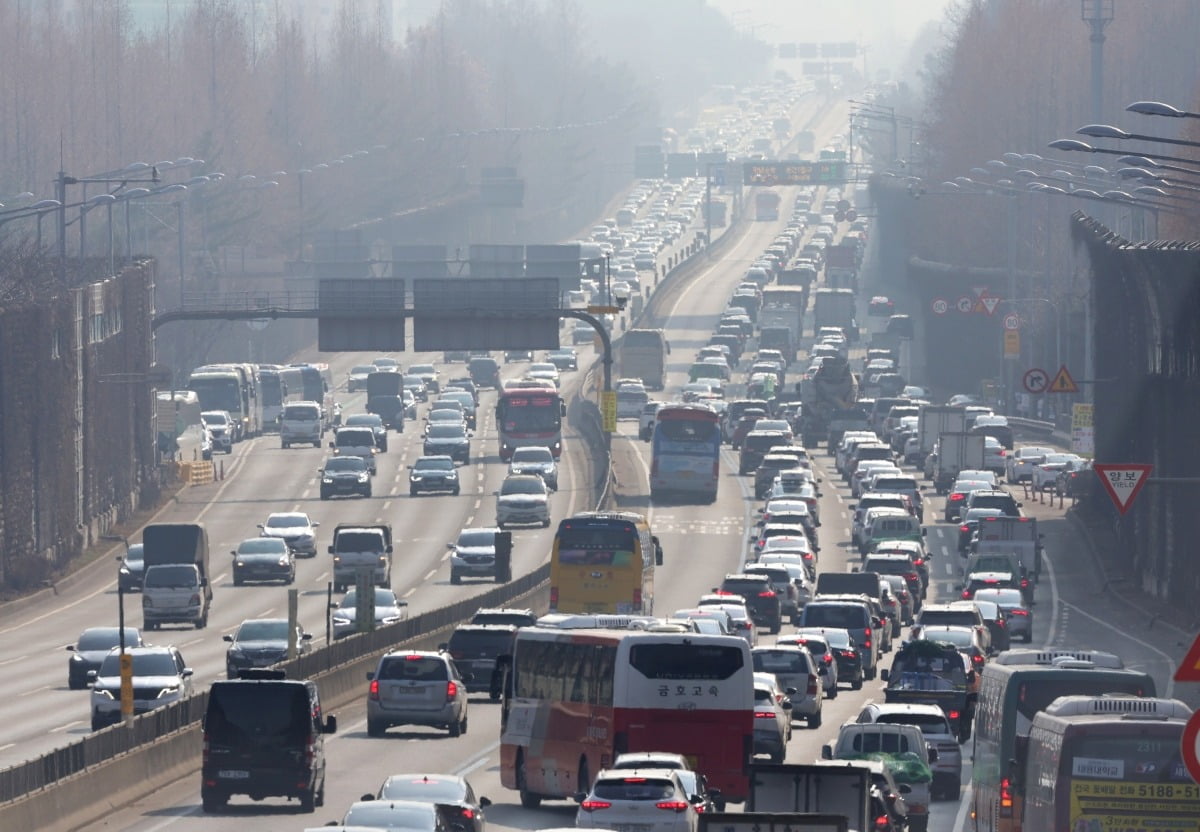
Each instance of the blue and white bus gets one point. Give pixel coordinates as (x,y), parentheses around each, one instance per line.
(685,453)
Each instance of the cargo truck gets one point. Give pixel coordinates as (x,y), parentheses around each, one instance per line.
(176,587)
(813,788)
(956,452)
(932,421)
(835,307)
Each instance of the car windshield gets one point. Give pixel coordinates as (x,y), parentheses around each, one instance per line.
(262,546)
(959,637)
(362,369)
(523,486)
(263,629)
(633,788)
(928,723)
(103,638)
(301,413)
(543,368)
(383,598)
(532,453)
(215,418)
(1003,597)
(380,814)
(427,464)
(422,788)
(144,664)
(367,419)
(450,431)
(287,521)
(477,537)
(422,370)
(345,463)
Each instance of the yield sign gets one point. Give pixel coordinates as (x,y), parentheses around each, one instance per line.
(1189,668)
(989,303)
(1123,481)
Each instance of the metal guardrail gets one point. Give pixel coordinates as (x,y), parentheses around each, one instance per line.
(1035,426)
(94,749)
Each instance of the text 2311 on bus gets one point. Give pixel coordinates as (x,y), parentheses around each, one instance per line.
(603,562)
(685,453)
(576,698)
(529,416)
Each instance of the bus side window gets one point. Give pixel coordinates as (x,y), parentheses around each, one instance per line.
(658,551)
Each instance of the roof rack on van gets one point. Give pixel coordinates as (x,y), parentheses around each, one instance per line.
(1130,707)
(1078,659)
(573,621)
(261,674)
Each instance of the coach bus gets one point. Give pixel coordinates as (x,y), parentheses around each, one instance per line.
(1109,763)
(576,698)
(229,387)
(685,453)
(272,393)
(1013,688)
(603,562)
(529,415)
(644,355)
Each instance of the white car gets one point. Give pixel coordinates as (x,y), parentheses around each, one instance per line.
(1019,464)
(296,529)
(523,499)
(388,610)
(635,799)
(994,456)
(1045,473)
(544,370)
(220,427)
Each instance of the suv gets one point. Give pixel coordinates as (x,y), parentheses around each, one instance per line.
(785,588)
(764,604)
(484,371)
(301,422)
(798,675)
(220,428)
(414,687)
(160,678)
(523,498)
(755,446)
(898,563)
(853,616)
(953,614)
(475,649)
(993,499)
(264,736)
(473,555)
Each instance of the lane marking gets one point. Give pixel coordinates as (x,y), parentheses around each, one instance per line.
(35,690)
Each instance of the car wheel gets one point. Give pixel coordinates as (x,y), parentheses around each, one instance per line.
(1027,638)
(455,492)
(74,684)
(212,803)
(412,492)
(546,523)
(324,495)
(814,721)
(529,800)
(375,728)
(97,724)
(856,684)
(455,578)
(455,728)
(832,692)
(777,756)
(308,800)
(285,445)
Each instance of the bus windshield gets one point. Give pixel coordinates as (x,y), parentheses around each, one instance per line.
(217,393)
(533,413)
(596,545)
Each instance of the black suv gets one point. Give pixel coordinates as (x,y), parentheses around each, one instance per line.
(1002,500)
(485,372)
(771,465)
(762,602)
(475,649)
(755,447)
(505,615)
(264,737)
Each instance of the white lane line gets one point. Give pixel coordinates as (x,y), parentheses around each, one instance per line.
(12,661)
(469,766)
(386,505)
(1054,608)
(430,574)
(322,576)
(478,503)
(7,746)
(446,555)
(66,727)
(295,507)
(960,819)
(410,592)
(35,690)
(190,642)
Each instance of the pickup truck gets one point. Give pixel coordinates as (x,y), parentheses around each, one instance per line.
(358,546)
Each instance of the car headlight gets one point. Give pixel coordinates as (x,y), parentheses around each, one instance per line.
(124,570)
(75,657)
(168,691)
(235,652)
(283,561)
(362,477)
(240,564)
(327,480)
(414,478)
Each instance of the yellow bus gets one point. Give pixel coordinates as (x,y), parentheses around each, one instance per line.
(603,562)
(1108,764)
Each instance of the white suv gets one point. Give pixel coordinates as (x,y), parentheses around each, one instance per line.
(160,678)
(522,499)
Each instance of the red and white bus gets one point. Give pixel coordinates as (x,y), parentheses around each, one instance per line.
(529,413)
(576,698)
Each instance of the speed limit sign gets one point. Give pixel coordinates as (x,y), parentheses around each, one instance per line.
(1012,321)
(940,307)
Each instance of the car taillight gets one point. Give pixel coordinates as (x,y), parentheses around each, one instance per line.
(919,562)
(912,576)
(766,593)
(637,598)
(952,715)
(764,714)
(1024,583)
(593,805)
(672,805)
(451,691)
(812,685)
(553,597)
(966,594)
(883,823)
(954,498)
(828,659)
(1018,612)
(1006,798)
(373,693)
(848,654)
(978,659)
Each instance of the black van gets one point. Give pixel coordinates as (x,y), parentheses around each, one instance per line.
(485,371)
(475,649)
(263,737)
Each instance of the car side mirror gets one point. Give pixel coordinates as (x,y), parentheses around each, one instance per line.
(187,673)
(442,647)
(93,675)
(306,636)
(233,552)
(579,797)
(826,752)
(331,445)
(331,549)
(330,726)
(227,637)
(883,674)
(562,408)
(933,754)
(924,531)
(789,691)
(370,675)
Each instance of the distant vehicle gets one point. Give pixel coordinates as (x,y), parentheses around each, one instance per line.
(89,652)
(262,642)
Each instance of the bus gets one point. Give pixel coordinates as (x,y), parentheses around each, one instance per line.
(529,415)
(229,387)
(576,698)
(766,206)
(1109,763)
(644,355)
(685,453)
(1013,688)
(272,393)
(316,385)
(619,541)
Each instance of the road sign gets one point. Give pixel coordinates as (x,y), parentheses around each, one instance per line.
(1012,321)
(980,291)
(1123,481)
(1063,383)
(608,411)
(989,303)
(965,304)
(940,307)
(1189,668)
(1012,344)
(1189,746)
(258,324)
(1035,380)
(1083,431)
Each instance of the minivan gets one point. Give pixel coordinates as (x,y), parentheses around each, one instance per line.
(888,524)
(485,371)
(264,737)
(300,422)
(849,615)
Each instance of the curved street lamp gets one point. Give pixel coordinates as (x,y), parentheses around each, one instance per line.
(1107,131)
(1084,147)
(1158,108)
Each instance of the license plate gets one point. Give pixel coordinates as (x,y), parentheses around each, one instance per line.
(233,774)
(400,693)
(633,827)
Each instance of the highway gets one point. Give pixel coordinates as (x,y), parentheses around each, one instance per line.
(701,544)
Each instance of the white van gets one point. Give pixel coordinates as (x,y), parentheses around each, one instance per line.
(300,422)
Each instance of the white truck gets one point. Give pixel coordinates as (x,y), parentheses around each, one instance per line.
(932,421)
(1015,535)
(956,452)
(176,588)
(357,547)
(811,789)
(905,752)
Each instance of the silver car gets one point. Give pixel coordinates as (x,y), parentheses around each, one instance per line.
(796,671)
(523,499)
(388,610)
(1019,616)
(416,687)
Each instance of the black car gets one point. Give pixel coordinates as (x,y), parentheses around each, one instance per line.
(762,602)
(94,644)
(485,372)
(263,559)
(261,642)
(845,652)
(455,799)
(345,476)
(475,649)
(433,473)
(379,420)
(452,440)
(464,383)
(129,576)
(264,737)
(755,447)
